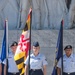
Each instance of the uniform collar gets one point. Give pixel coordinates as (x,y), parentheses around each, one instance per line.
(71,56)
(37,55)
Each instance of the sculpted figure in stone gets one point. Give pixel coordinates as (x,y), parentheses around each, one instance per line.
(23,12)
(39,13)
(56,10)
(8,10)
(45,13)
(72,14)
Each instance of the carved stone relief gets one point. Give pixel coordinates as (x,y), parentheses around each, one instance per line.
(46,14)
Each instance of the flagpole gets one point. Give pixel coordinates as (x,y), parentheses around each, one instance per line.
(30,40)
(7,44)
(6,38)
(62,47)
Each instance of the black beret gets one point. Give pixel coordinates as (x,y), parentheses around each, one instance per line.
(36,44)
(68,47)
(14,44)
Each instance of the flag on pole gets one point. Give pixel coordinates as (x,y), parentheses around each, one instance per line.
(59,48)
(3,52)
(23,46)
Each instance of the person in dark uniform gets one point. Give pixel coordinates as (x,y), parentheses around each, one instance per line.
(38,62)
(68,62)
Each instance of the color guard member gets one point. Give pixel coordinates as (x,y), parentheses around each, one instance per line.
(12,67)
(38,62)
(68,62)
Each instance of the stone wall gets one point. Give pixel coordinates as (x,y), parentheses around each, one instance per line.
(46,14)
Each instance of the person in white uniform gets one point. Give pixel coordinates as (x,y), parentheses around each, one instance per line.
(38,62)
(68,62)
(12,67)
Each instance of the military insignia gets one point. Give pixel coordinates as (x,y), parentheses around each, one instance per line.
(38,58)
(15,44)
(46,59)
(72,60)
(68,46)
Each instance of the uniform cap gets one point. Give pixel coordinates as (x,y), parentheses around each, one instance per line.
(68,47)
(14,44)
(36,44)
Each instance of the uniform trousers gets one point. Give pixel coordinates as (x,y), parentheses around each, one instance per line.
(68,73)
(36,72)
(13,73)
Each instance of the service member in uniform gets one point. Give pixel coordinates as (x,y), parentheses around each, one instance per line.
(12,67)
(0,67)
(38,62)
(68,62)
